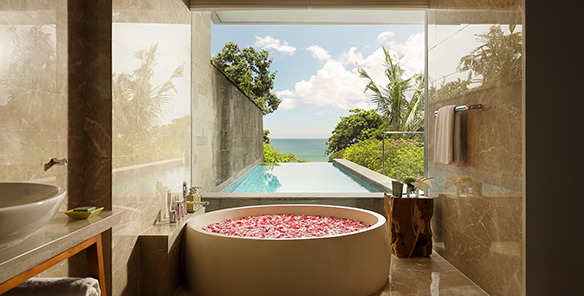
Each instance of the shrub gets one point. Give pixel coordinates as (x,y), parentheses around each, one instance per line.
(402,157)
(271,155)
(338,154)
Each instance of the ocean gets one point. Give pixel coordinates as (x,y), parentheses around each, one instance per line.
(311,149)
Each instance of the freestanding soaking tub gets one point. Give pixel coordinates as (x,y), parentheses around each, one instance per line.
(352,264)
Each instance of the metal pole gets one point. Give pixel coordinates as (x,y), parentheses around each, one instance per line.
(383,153)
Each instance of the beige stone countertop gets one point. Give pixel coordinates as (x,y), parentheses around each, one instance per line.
(172,231)
(60,234)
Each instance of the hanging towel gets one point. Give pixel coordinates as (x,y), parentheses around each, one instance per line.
(459,140)
(444,141)
(57,287)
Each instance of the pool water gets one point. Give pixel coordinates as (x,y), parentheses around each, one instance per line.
(298,177)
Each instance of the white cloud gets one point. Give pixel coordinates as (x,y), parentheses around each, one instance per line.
(284,93)
(384,36)
(337,84)
(351,57)
(320,53)
(322,112)
(270,42)
(288,102)
(333,85)
(413,51)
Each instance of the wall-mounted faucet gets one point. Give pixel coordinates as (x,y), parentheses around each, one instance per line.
(54,161)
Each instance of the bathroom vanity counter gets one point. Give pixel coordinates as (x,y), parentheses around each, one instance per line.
(59,239)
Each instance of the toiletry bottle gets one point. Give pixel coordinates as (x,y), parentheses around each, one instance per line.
(198,198)
(184,205)
(191,197)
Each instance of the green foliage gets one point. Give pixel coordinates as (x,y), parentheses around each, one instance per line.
(165,142)
(408,179)
(498,59)
(401,101)
(451,89)
(249,68)
(267,139)
(271,155)
(138,107)
(338,154)
(355,127)
(137,104)
(402,157)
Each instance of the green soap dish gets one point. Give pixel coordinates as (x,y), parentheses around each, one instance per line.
(82,215)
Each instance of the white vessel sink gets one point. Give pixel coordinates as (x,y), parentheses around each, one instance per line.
(26,207)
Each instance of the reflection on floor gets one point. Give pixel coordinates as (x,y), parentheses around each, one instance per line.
(431,276)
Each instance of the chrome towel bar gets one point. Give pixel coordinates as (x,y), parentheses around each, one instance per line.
(464,108)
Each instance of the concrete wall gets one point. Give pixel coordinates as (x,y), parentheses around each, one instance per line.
(227,129)
(238,139)
(204,114)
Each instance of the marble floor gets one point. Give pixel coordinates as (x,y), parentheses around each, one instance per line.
(430,276)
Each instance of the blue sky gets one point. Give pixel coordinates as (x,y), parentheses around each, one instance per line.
(317,78)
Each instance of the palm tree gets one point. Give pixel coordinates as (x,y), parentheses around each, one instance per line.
(415,111)
(392,101)
(137,104)
(497,60)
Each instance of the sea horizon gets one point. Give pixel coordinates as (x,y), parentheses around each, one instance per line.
(310,148)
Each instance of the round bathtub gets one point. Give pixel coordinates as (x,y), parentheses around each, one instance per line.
(355,263)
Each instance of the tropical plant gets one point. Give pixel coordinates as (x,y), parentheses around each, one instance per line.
(497,60)
(403,157)
(267,139)
(415,107)
(271,156)
(165,142)
(401,101)
(451,89)
(249,69)
(356,127)
(137,104)
(137,110)
(408,179)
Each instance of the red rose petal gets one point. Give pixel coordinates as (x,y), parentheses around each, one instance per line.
(285,226)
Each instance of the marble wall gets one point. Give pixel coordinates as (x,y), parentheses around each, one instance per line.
(168,123)
(151,94)
(479,198)
(112,86)
(33,90)
(33,94)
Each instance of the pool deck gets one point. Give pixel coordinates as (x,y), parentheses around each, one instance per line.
(372,201)
(373,178)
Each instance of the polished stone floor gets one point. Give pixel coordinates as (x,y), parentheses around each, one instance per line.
(431,276)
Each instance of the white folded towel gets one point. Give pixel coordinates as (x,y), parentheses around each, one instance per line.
(57,287)
(444,141)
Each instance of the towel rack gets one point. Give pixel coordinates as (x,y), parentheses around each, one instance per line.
(464,108)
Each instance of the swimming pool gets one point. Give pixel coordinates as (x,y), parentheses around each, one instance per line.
(311,177)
